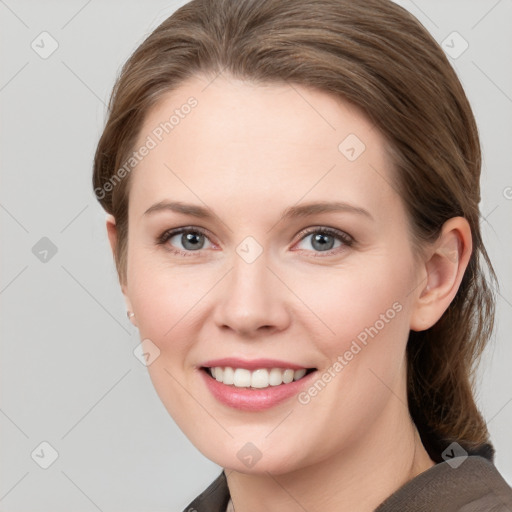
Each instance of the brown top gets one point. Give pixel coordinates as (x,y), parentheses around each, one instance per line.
(471,484)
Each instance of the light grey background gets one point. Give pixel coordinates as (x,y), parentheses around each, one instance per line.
(68,373)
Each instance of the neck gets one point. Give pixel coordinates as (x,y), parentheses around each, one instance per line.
(358,478)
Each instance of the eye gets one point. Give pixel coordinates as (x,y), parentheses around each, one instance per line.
(324,240)
(191,240)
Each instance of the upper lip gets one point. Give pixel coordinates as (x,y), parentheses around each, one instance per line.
(253,364)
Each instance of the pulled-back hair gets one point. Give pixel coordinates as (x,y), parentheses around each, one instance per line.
(377,56)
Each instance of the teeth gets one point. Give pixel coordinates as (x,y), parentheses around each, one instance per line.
(288,376)
(242,378)
(275,377)
(261,378)
(228,376)
(298,374)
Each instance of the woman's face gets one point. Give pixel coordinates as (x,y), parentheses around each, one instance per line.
(263,280)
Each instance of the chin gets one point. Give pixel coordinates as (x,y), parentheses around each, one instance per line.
(245,457)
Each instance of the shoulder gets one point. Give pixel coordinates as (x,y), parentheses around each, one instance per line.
(463,484)
(214,498)
(471,484)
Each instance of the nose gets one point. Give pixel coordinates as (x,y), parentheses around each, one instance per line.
(252,301)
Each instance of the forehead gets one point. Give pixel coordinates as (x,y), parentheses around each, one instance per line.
(258,142)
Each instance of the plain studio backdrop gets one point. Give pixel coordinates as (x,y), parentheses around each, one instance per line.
(74,396)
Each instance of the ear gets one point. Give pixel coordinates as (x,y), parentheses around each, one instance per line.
(112,237)
(443,269)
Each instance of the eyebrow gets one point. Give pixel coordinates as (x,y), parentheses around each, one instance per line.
(291,212)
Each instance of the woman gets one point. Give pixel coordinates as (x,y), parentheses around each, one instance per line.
(292,192)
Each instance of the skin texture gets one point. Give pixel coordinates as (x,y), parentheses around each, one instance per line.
(248,152)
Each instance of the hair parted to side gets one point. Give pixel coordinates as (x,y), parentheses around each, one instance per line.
(376,55)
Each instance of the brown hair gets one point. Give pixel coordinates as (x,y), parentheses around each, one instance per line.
(376,55)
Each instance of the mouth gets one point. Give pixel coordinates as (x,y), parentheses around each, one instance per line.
(254,385)
(259,378)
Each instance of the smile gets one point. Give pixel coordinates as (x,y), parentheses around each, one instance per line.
(260,378)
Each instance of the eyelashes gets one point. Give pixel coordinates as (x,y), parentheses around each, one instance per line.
(167,235)
(335,234)
(323,234)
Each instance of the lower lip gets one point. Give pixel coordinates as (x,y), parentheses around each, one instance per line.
(254,399)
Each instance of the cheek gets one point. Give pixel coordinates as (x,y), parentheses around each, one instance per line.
(360,303)
(166,302)
(358,312)
(336,305)
(367,312)
(169,302)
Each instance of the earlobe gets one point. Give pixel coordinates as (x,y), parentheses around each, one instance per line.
(111,231)
(447,260)
(112,237)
